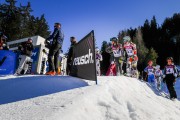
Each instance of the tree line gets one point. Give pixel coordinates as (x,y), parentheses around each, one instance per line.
(17,21)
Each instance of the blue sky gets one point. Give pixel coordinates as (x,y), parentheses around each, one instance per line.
(105,17)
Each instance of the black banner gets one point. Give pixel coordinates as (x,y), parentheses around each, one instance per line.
(84,63)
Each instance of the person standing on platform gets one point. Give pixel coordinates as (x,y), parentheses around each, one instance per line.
(54,49)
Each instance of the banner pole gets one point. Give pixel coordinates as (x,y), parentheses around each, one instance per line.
(94,56)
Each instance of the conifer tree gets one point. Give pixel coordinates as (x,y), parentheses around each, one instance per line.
(17,21)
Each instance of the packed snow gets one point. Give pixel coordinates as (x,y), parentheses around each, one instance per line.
(68,98)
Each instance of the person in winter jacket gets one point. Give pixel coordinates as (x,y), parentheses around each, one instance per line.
(70,54)
(158,76)
(116,51)
(98,59)
(26,49)
(57,37)
(170,75)
(150,72)
(131,55)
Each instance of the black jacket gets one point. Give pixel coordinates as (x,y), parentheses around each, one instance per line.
(70,53)
(26,48)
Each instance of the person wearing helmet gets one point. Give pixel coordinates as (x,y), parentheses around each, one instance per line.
(98,59)
(150,72)
(131,55)
(118,53)
(26,49)
(170,75)
(158,76)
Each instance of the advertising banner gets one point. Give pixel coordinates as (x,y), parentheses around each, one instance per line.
(84,63)
(7,62)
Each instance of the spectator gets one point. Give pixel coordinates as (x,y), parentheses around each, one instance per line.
(117,55)
(3,45)
(70,54)
(26,49)
(54,50)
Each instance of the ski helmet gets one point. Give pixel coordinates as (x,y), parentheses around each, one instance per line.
(126,39)
(170,58)
(114,39)
(157,67)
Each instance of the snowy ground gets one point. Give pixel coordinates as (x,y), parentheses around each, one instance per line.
(114,98)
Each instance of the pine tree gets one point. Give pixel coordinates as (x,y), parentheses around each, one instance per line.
(142,51)
(17,22)
(152,55)
(122,34)
(104,45)
(145,31)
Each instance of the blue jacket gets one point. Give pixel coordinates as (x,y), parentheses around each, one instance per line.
(149,70)
(57,36)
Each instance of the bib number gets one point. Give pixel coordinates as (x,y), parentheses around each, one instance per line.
(169,71)
(129,51)
(150,71)
(117,53)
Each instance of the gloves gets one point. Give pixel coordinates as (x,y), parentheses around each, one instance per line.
(175,74)
(164,76)
(4,45)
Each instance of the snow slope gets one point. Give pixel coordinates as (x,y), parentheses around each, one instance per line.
(114,98)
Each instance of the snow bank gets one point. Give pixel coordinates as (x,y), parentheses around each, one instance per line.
(121,98)
(114,98)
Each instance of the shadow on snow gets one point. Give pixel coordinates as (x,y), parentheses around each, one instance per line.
(26,87)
